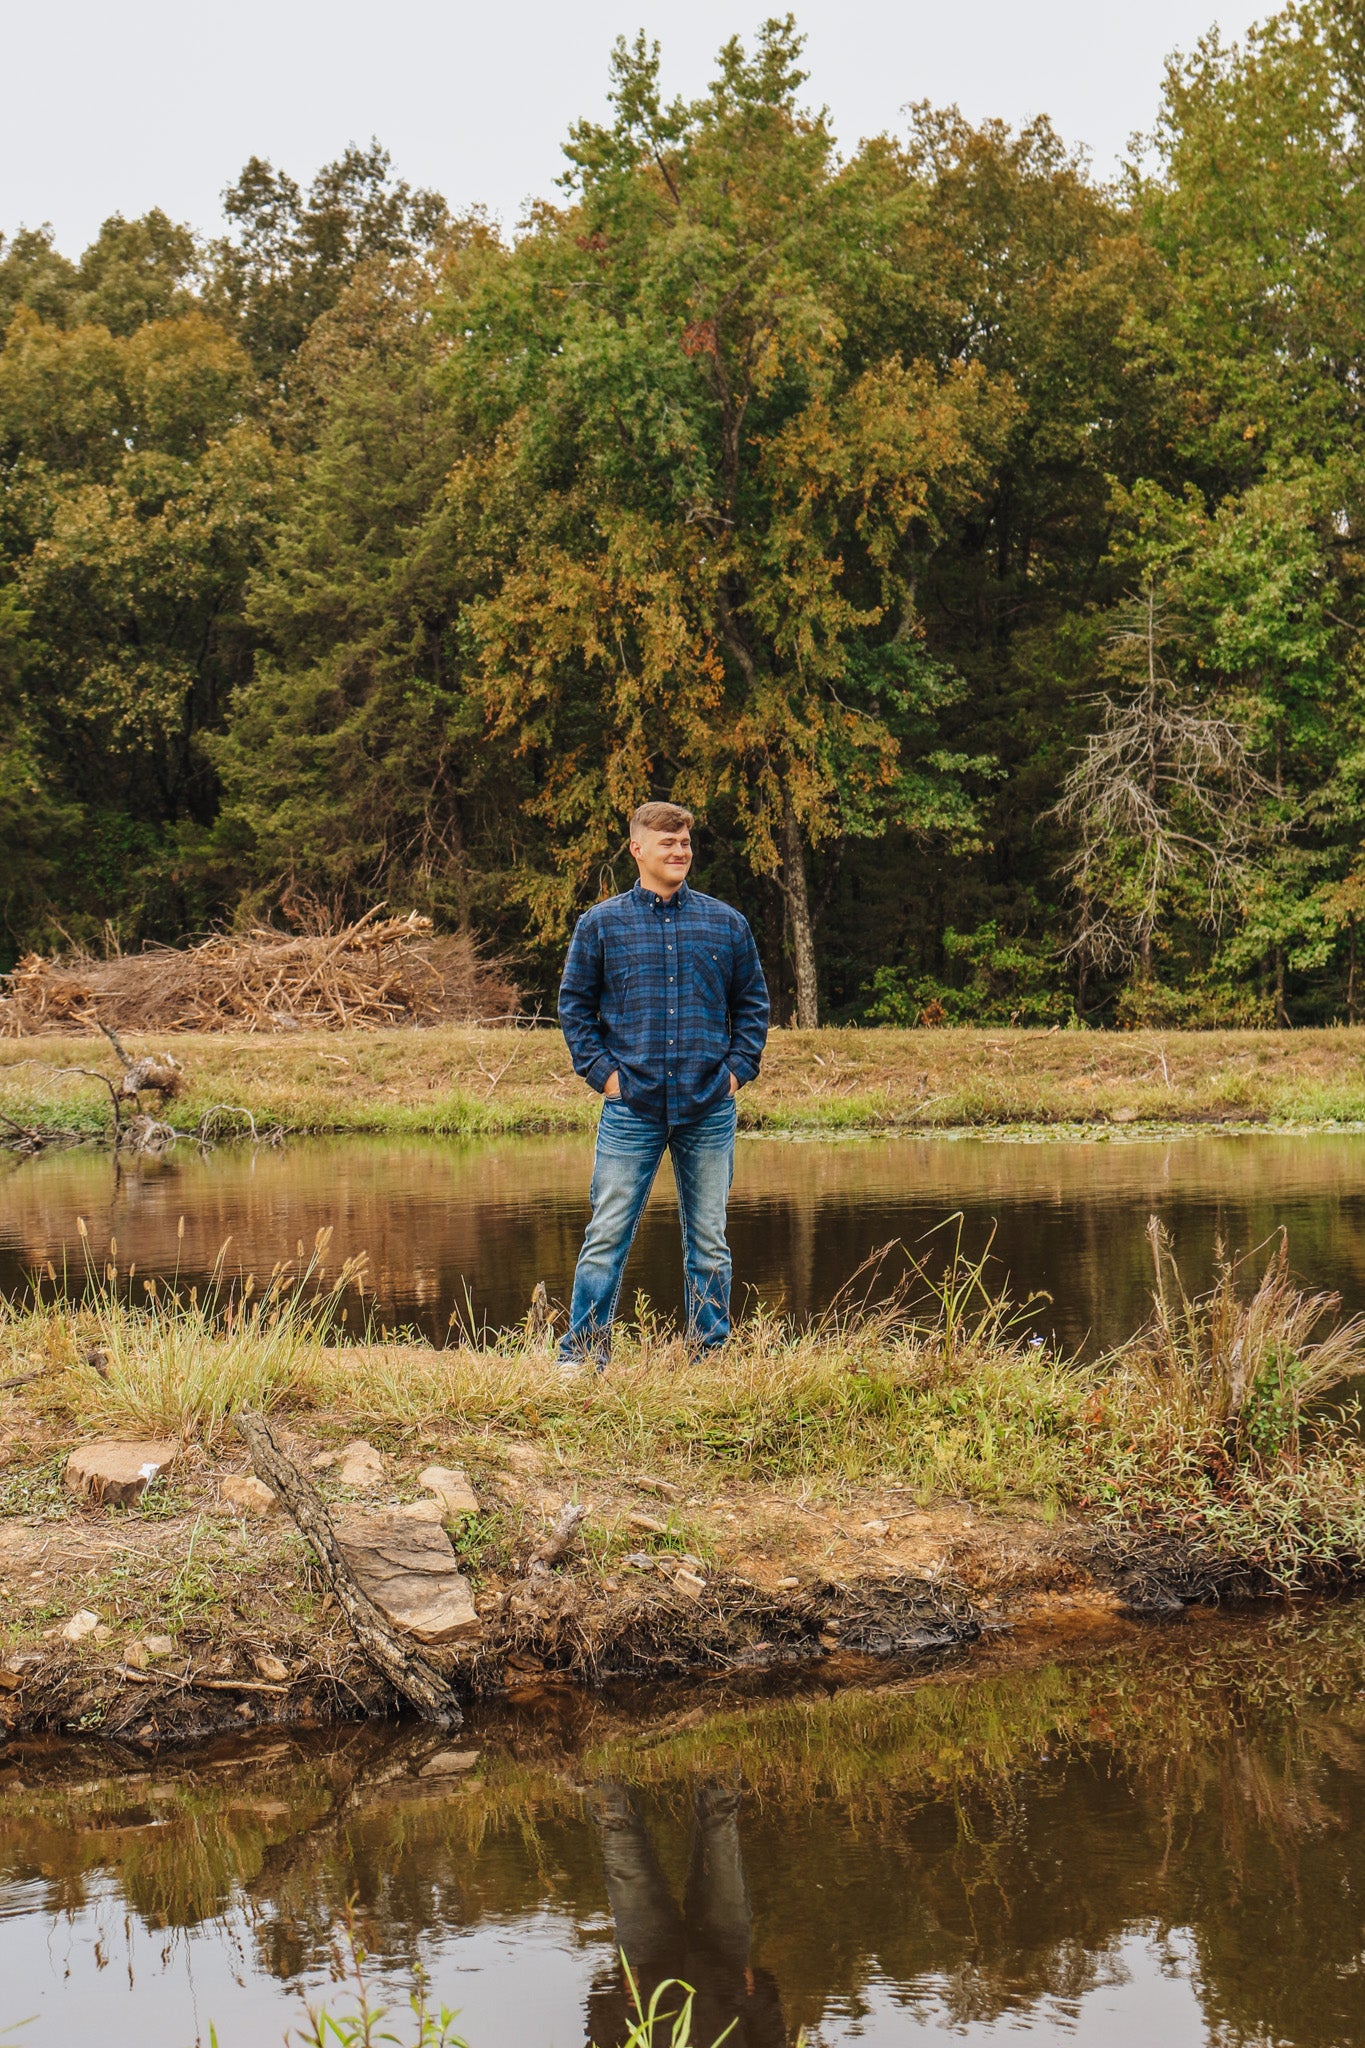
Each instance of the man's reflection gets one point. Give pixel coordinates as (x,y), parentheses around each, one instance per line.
(705,1945)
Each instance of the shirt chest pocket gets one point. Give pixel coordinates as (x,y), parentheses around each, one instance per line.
(711,970)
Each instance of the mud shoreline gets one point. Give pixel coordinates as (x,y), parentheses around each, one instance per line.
(952,1583)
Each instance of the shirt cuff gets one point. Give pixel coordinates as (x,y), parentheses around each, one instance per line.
(599,1073)
(744,1071)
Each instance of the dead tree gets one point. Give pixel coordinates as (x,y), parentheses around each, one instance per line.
(1164,796)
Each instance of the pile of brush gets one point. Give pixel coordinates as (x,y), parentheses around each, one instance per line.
(373,972)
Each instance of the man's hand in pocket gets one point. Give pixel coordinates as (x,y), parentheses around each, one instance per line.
(612,1091)
(734,1085)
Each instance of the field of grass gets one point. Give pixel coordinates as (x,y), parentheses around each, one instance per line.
(1220,1428)
(464,1080)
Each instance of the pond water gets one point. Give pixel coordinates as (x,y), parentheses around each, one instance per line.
(1157,1837)
(469,1227)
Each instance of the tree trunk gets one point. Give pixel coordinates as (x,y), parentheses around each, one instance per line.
(803,931)
(1351,979)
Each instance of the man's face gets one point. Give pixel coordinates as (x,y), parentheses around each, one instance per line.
(663,858)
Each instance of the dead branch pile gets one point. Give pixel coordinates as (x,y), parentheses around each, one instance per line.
(378,971)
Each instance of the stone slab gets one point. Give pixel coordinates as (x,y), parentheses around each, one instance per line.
(247,1493)
(360,1465)
(117,1472)
(409,1571)
(451,1488)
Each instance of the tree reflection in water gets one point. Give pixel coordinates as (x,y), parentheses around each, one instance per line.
(1002,1850)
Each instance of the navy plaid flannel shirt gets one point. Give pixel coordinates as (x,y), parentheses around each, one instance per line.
(670,996)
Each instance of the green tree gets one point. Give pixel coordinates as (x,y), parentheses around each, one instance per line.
(353,762)
(288,255)
(136,498)
(708,485)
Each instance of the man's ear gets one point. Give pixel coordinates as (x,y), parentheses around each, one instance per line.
(635,849)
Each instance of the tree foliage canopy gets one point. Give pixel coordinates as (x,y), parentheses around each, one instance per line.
(974,547)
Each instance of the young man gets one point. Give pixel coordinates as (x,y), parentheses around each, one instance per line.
(665,1009)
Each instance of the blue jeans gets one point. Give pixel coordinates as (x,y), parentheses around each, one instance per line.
(629,1149)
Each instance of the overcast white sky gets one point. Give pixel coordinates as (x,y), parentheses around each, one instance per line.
(119,105)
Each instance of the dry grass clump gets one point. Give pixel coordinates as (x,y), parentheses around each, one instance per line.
(1213,1431)
(179,1365)
(374,972)
(1247,1367)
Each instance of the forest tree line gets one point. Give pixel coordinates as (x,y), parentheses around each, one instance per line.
(975,546)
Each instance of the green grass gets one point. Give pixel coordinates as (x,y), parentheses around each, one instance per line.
(461,1081)
(177,1364)
(1210,1426)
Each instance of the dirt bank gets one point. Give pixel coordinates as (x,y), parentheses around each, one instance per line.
(787,1578)
(894,1480)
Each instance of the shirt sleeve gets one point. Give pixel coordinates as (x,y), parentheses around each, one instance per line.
(580,996)
(748,996)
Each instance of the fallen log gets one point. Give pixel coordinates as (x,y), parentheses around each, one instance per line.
(408,1674)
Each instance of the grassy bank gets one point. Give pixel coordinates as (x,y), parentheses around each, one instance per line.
(460,1080)
(819,1488)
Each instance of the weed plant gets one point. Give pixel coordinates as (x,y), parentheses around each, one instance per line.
(665,2021)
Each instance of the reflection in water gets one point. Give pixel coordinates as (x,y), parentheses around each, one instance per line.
(447,1222)
(703,1944)
(1160,1839)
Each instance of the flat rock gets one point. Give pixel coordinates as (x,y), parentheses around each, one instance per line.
(422,1511)
(360,1465)
(451,1488)
(84,1622)
(248,1493)
(448,1763)
(408,1569)
(117,1473)
(650,1524)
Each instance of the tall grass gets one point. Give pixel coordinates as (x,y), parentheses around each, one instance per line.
(1209,1426)
(178,1364)
(1246,1365)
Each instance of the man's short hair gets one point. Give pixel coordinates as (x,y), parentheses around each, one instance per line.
(660,818)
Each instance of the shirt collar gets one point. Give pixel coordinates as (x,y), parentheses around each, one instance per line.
(649,901)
